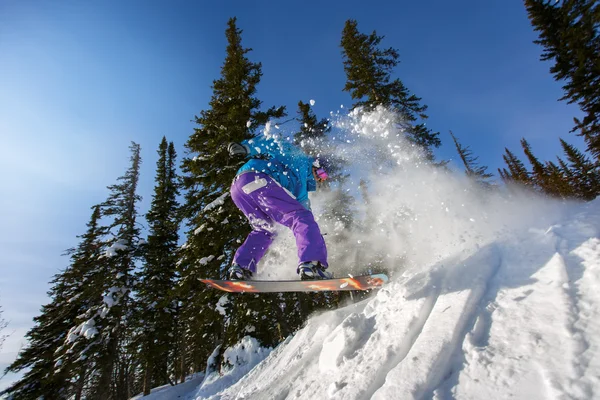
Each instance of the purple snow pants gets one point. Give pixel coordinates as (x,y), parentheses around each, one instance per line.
(264,202)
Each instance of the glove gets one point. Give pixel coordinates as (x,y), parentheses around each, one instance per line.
(236,149)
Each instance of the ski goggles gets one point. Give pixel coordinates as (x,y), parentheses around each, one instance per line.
(321,174)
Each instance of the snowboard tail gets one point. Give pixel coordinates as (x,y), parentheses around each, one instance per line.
(363,282)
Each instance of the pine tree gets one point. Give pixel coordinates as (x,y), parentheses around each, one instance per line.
(581,172)
(569,33)
(312,130)
(216,226)
(547,177)
(312,138)
(477,173)
(538,172)
(517,172)
(566,170)
(504,175)
(154,298)
(557,181)
(368,72)
(57,365)
(110,315)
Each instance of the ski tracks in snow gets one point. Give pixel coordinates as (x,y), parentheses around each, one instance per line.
(429,360)
(540,318)
(578,244)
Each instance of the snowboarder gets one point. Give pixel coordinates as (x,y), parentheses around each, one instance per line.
(272,186)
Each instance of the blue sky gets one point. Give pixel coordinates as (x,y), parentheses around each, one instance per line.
(81,79)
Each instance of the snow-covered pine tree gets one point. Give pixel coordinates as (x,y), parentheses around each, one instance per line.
(155,311)
(57,364)
(475,172)
(105,327)
(368,73)
(216,226)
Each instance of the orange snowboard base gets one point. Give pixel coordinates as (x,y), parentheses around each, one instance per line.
(363,282)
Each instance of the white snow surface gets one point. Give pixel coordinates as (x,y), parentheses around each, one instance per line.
(493,294)
(183,391)
(517,318)
(240,359)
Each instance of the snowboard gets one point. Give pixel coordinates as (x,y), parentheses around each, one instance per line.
(363,282)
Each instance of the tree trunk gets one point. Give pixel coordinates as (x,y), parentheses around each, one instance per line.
(147,377)
(80,384)
(103,389)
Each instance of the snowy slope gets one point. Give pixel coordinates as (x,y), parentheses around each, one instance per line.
(518,318)
(493,295)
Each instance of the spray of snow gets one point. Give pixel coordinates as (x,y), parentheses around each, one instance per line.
(484,283)
(493,293)
(415,214)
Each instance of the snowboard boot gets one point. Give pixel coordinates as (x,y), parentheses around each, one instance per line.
(313,270)
(237,273)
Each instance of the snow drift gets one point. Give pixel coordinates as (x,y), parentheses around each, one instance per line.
(494,293)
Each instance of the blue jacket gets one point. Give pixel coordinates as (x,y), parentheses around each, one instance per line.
(283,162)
